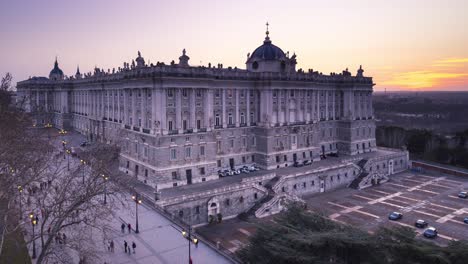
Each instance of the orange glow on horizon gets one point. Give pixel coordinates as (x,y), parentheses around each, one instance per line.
(440,74)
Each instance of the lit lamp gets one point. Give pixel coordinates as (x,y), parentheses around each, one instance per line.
(137,202)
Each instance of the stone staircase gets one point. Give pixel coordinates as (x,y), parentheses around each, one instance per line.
(270,195)
(355,184)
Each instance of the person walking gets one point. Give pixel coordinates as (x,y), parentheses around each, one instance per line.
(64,238)
(122,226)
(125,246)
(133,246)
(112,246)
(129,226)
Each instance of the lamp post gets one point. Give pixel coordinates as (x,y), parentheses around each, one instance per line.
(34,221)
(20,190)
(68,159)
(137,200)
(106,178)
(83,162)
(190,238)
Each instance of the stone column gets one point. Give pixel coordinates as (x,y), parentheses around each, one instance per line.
(333,103)
(208,109)
(224,107)
(134,112)
(144,102)
(247,92)
(327,109)
(178,98)
(237,117)
(193,110)
(371,105)
(319,112)
(119,115)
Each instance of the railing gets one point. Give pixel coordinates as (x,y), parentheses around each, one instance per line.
(146,130)
(136,129)
(127,126)
(173,132)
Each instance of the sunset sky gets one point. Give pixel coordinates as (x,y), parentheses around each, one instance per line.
(404,45)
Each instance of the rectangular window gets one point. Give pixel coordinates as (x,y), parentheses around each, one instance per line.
(170,125)
(170,93)
(231,143)
(188,152)
(198,123)
(202,150)
(174,175)
(313,183)
(253,158)
(218,162)
(184,92)
(184,124)
(202,171)
(173,154)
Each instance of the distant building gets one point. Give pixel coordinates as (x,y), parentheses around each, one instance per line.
(179,124)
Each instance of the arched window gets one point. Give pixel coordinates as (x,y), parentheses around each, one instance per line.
(255,65)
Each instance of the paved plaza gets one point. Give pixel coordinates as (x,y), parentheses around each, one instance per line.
(432,198)
(159,241)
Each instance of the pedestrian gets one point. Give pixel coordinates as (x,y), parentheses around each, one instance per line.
(133,246)
(48,230)
(125,246)
(112,246)
(122,226)
(129,226)
(64,238)
(108,245)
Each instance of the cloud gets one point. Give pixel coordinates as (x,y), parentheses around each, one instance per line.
(440,73)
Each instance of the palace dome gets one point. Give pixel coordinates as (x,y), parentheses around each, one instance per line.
(56,73)
(267,51)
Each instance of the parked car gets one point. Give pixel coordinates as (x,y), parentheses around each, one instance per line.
(430,232)
(245,169)
(253,168)
(420,223)
(395,216)
(334,154)
(307,162)
(221,173)
(84,143)
(463,195)
(297,164)
(237,172)
(465,220)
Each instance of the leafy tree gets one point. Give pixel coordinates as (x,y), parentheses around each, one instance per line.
(298,236)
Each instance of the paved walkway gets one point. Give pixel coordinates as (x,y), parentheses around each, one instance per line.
(158,241)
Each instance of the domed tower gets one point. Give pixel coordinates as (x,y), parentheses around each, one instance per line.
(56,73)
(269,58)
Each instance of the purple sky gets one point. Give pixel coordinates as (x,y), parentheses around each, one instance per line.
(403,44)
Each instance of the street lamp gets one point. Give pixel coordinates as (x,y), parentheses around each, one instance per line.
(34,221)
(190,238)
(20,190)
(137,200)
(106,178)
(83,162)
(68,159)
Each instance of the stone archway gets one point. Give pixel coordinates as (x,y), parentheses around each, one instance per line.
(213,207)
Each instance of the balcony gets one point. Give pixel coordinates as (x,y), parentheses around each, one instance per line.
(243,125)
(202,129)
(146,130)
(127,126)
(218,127)
(188,131)
(173,132)
(136,129)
